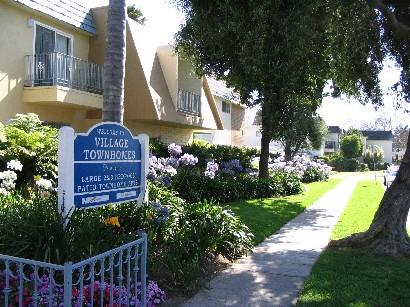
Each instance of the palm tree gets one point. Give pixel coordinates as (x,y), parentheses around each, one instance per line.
(114,63)
(136,14)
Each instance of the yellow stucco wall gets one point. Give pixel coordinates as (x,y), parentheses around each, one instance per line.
(16,38)
(166,134)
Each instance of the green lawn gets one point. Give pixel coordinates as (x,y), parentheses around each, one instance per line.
(344,277)
(265,216)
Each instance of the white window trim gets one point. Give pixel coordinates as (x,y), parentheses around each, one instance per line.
(228,107)
(70,36)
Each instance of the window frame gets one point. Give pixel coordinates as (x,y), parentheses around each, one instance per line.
(56,31)
(226,107)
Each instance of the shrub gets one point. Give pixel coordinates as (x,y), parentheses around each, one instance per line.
(34,145)
(351,165)
(364,167)
(325,159)
(158,148)
(304,169)
(383,166)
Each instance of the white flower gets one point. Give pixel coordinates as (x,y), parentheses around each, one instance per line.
(44,183)
(4,191)
(170,170)
(9,178)
(15,165)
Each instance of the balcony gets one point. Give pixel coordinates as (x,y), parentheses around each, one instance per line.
(58,69)
(189,103)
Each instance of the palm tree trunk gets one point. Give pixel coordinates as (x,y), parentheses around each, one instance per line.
(114,63)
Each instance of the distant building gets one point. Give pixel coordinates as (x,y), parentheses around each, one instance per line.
(383,139)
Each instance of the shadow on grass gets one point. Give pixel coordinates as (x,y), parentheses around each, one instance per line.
(349,278)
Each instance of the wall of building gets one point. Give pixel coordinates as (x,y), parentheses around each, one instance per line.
(237,125)
(166,134)
(225,117)
(385,145)
(16,37)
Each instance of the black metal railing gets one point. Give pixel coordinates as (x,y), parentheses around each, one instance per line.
(48,69)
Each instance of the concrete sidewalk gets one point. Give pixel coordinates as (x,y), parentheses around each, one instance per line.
(274,274)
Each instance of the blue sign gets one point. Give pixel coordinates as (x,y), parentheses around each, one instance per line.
(108,166)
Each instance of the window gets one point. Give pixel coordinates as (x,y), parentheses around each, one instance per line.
(52,56)
(330,145)
(226,107)
(258,134)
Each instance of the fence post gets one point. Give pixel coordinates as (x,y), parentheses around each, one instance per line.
(144,269)
(68,281)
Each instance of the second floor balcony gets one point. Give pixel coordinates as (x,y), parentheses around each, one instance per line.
(189,103)
(59,69)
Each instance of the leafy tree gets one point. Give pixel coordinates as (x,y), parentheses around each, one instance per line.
(358,133)
(114,63)
(273,52)
(299,129)
(351,146)
(136,14)
(373,155)
(401,134)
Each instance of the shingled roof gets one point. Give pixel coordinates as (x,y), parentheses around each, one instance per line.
(378,135)
(334,129)
(219,89)
(68,11)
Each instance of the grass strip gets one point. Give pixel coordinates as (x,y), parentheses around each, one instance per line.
(344,277)
(265,216)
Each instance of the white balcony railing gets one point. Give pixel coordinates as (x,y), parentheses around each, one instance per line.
(189,103)
(48,69)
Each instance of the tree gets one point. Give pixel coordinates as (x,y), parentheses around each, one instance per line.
(136,14)
(299,129)
(351,146)
(387,233)
(373,155)
(382,122)
(401,134)
(272,51)
(114,63)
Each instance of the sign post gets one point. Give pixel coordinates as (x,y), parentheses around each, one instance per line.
(106,165)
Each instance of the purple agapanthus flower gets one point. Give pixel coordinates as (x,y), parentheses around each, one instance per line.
(188,159)
(174,150)
(211,169)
